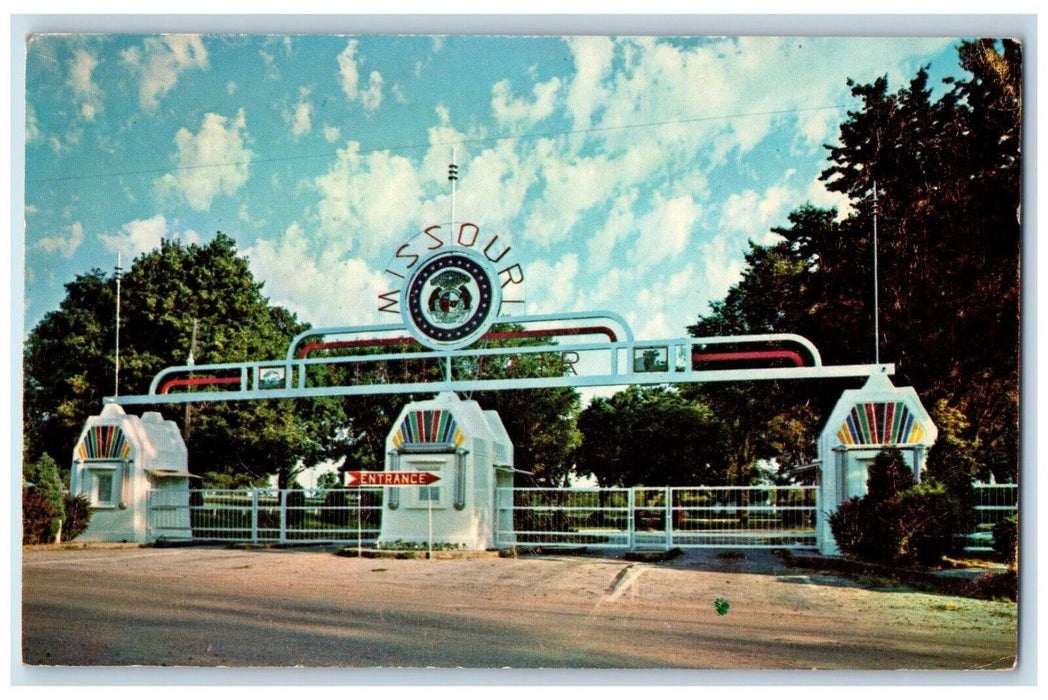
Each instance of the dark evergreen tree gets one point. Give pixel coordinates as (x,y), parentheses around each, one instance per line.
(948,178)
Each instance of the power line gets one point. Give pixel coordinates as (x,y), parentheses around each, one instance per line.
(411,147)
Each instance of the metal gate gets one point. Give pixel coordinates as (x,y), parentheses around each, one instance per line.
(639,518)
(660,518)
(268,515)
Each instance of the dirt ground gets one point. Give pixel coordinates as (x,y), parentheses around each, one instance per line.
(205,607)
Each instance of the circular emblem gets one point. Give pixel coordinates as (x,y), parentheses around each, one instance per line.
(451,299)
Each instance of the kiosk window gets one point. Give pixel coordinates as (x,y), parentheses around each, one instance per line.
(431,495)
(103,491)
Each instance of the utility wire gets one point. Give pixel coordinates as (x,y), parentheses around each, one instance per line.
(464,141)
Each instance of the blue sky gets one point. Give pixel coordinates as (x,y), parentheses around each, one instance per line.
(627,174)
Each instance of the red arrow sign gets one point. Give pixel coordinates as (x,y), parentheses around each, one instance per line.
(390,478)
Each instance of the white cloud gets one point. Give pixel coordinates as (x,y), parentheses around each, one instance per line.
(143,235)
(618,226)
(750,215)
(318,286)
(511,111)
(551,288)
(665,231)
(244,214)
(300,119)
(493,185)
(819,196)
(332,133)
(370,97)
(32,125)
(586,93)
(65,245)
(572,184)
(722,266)
(656,327)
(81,80)
(160,62)
(368,201)
(211,162)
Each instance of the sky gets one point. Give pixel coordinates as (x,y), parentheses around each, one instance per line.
(625,174)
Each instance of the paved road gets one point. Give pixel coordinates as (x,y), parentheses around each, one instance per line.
(228,607)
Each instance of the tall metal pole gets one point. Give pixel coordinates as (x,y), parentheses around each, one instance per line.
(191,361)
(119,274)
(876,300)
(453,176)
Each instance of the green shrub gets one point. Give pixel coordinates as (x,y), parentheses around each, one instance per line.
(37,517)
(928,516)
(887,476)
(1006,540)
(869,530)
(995,585)
(46,481)
(849,528)
(897,522)
(77,516)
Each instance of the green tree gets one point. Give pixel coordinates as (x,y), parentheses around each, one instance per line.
(947,174)
(169,297)
(768,420)
(541,423)
(650,435)
(897,521)
(46,482)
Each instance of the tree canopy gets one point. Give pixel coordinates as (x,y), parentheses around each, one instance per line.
(948,194)
(653,436)
(167,296)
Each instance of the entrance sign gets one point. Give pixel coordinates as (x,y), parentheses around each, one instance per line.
(390,478)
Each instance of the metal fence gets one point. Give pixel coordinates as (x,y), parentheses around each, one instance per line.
(270,515)
(993,503)
(640,518)
(660,518)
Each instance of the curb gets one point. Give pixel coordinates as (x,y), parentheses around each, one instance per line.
(353,552)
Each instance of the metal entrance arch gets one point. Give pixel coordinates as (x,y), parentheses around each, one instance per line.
(592,350)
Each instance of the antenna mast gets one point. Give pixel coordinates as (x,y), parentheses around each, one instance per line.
(119,274)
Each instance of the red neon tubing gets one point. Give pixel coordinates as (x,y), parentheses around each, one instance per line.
(491,335)
(198,381)
(752,355)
